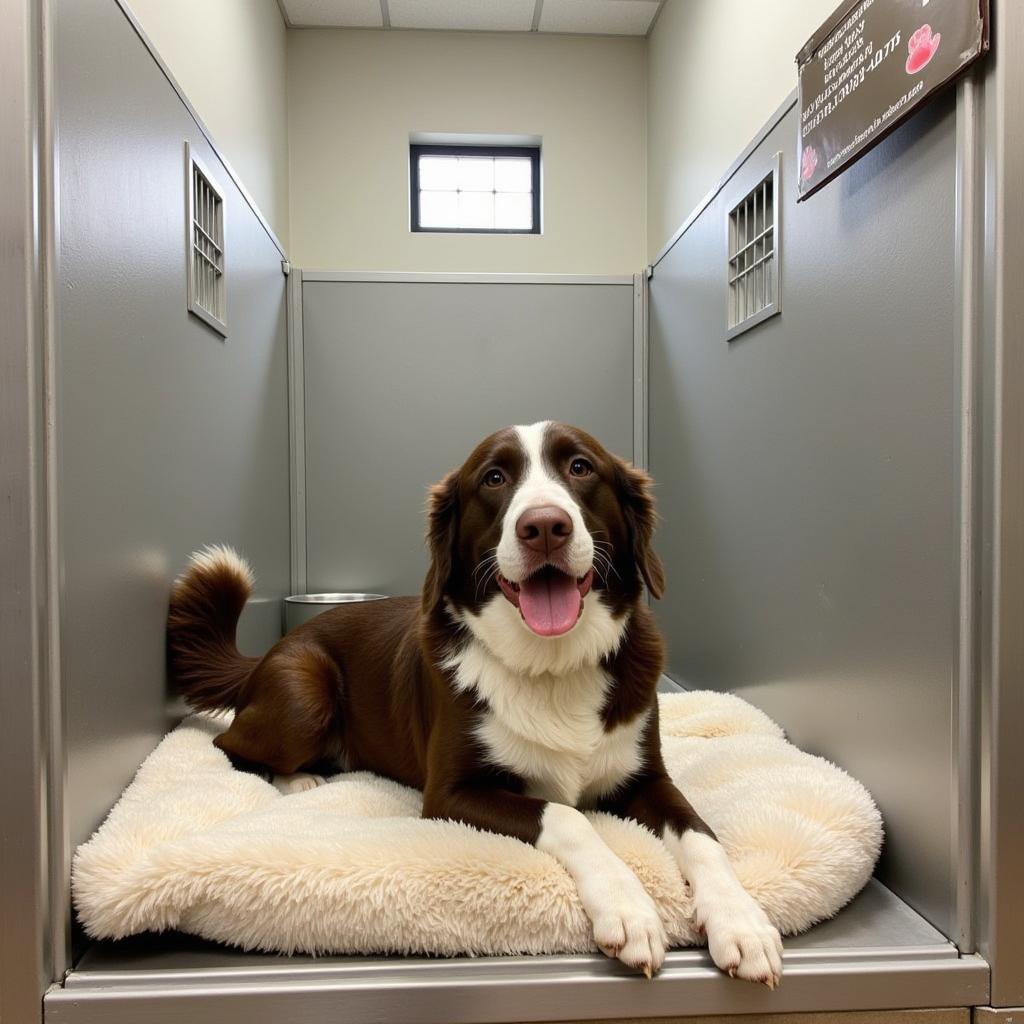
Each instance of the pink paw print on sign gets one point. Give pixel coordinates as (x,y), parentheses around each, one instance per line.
(922,47)
(808,163)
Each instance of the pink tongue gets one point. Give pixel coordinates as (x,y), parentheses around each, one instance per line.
(550,603)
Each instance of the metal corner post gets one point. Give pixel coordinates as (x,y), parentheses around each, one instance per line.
(964,781)
(641,404)
(1001,663)
(30,935)
(297,432)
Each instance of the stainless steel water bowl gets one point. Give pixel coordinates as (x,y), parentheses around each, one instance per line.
(300,608)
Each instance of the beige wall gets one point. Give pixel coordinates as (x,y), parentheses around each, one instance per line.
(233,73)
(354,96)
(316,122)
(717,69)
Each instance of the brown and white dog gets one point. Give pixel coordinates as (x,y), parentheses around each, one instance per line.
(518,688)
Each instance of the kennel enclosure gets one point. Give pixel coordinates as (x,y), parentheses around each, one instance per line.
(840,488)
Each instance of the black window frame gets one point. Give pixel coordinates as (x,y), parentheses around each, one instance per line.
(416,150)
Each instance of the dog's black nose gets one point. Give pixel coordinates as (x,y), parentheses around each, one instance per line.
(544,529)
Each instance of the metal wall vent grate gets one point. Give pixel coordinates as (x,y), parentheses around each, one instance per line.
(754,255)
(205,219)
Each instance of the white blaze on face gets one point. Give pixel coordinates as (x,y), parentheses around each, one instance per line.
(539,487)
(546,586)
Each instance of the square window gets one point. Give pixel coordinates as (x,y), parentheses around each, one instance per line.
(439,172)
(475,189)
(476,173)
(512,211)
(476,210)
(513,175)
(439,208)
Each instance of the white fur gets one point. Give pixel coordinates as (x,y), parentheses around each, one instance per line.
(540,487)
(741,939)
(547,727)
(351,868)
(615,760)
(297,782)
(220,556)
(626,921)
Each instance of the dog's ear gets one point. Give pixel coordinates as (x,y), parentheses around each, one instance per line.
(641,518)
(442,523)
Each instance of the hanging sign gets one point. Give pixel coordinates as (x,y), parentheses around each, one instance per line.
(870,66)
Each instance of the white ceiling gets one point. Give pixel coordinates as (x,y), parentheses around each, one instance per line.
(590,17)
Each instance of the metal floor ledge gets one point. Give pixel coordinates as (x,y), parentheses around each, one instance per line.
(876,954)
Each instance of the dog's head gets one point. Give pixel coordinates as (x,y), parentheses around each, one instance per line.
(545,519)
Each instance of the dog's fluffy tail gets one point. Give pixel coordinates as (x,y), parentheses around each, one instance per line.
(203,661)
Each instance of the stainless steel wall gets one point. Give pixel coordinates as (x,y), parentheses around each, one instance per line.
(404,377)
(170,437)
(27,959)
(807,479)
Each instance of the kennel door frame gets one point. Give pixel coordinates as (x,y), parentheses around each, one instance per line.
(32,936)
(994,235)
(22,419)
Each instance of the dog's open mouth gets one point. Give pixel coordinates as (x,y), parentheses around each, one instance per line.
(550,601)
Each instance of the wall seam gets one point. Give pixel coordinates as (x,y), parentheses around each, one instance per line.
(724,180)
(200,124)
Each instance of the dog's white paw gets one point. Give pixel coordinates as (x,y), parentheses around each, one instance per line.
(625,921)
(744,943)
(630,929)
(298,782)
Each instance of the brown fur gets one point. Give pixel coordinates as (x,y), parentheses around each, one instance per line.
(201,654)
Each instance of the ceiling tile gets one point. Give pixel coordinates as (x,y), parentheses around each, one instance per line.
(344,13)
(601,17)
(472,15)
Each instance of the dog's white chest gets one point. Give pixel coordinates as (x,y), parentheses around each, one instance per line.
(548,728)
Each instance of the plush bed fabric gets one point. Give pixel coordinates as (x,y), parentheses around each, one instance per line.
(350,867)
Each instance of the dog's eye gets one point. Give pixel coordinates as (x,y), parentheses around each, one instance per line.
(580,467)
(494,478)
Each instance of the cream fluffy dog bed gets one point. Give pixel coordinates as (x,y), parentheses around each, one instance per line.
(351,868)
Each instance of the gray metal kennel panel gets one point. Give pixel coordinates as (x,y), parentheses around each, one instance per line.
(807,476)
(170,436)
(404,376)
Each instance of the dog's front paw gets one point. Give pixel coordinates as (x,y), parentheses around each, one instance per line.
(298,782)
(631,930)
(744,943)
